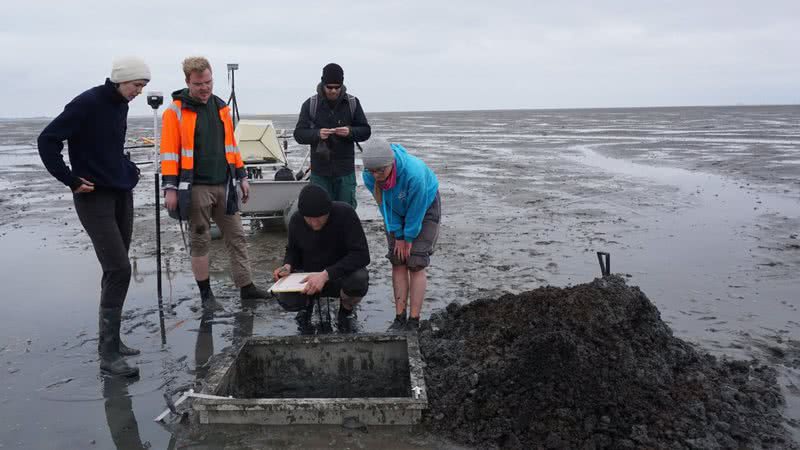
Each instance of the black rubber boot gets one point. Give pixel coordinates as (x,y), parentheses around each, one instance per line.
(252,292)
(111,361)
(399,324)
(124,350)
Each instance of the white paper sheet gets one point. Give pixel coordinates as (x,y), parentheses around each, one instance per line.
(292,283)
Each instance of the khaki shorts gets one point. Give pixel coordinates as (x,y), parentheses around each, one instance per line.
(208,202)
(423,246)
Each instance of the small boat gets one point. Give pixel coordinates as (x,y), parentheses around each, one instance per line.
(273,185)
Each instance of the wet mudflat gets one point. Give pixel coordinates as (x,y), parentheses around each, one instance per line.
(699,206)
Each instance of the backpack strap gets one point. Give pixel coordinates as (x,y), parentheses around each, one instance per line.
(351,100)
(312,107)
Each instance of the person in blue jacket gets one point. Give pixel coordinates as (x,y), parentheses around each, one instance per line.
(407,194)
(102,178)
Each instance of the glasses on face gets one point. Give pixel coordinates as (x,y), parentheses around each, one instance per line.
(333,87)
(378,170)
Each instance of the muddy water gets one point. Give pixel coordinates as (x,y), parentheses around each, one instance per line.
(698,206)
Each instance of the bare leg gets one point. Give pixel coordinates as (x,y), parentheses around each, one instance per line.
(419,283)
(200,267)
(400,286)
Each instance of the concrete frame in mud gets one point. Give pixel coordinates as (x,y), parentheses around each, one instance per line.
(288,411)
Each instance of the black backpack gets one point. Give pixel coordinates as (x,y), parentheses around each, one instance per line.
(314,103)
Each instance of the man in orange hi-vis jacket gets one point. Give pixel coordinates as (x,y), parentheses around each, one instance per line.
(201,167)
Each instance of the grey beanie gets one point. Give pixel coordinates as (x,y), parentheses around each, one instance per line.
(377,153)
(129,69)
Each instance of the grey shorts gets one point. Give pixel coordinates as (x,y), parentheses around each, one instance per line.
(423,246)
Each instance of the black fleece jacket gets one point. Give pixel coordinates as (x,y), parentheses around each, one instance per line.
(94,125)
(332,115)
(340,247)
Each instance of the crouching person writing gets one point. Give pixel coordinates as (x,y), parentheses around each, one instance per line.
(327,242)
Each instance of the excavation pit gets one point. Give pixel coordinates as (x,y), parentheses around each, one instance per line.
(376,379)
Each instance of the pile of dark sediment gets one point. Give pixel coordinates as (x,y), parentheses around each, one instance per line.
(588,367)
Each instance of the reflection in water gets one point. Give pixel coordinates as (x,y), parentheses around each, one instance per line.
(119,414)
(135,275)
(243,321)
(204,347)
(180,431)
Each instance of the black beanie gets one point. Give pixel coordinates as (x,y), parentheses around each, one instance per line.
(314,201)
(332,73)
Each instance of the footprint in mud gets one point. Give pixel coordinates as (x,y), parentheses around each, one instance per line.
(551,267)
(771,264)
(60,382)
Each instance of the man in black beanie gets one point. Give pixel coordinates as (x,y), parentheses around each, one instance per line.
(331,122)
(327,242)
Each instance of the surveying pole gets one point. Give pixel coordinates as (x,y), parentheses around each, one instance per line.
(155,100)
(232,68)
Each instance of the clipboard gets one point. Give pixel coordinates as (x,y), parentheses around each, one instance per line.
(291,283)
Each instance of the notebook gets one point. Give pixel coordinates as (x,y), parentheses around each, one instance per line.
(291,283)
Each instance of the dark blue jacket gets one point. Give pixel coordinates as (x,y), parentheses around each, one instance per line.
(94,125)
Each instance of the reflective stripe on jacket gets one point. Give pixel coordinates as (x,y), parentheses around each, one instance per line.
(177,151)
(177,145)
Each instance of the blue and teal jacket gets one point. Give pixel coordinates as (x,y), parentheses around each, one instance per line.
(404,205)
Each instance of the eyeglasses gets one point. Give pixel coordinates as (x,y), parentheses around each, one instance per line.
(378,170)
(335,87)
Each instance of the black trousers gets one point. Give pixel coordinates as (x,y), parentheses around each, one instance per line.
(355,284)
(107,217)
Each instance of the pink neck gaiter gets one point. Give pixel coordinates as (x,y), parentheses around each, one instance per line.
(392,180)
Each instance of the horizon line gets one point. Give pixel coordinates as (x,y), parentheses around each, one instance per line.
(578,108)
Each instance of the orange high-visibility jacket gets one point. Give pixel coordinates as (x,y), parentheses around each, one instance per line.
(177,144)
(177,150)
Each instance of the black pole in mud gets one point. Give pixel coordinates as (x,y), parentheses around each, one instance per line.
(232,68)
(156,99)
(604,258)
(158,263)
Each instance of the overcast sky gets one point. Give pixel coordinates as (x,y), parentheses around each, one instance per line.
(413,55)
